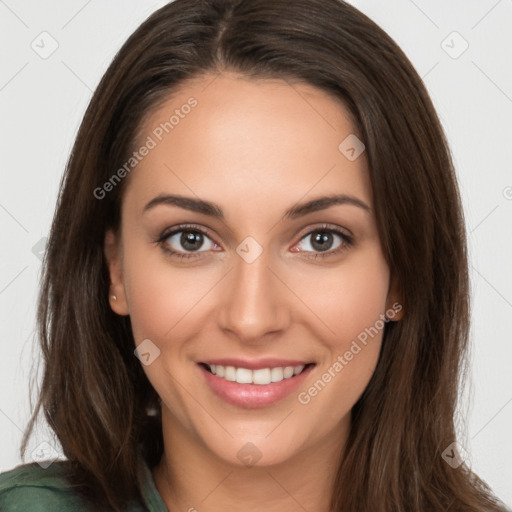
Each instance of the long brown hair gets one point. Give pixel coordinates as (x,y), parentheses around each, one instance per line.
(94,393)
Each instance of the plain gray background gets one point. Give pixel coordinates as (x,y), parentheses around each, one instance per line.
(461,48)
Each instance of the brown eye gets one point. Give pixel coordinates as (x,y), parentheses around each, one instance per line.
(191,240)
(185,242)
(321,241)
(324,242)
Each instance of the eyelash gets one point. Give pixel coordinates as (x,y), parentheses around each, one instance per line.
(347,241)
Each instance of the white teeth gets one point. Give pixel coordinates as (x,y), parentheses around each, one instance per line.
(276,374)
(298,369)
(243,376)
(229,373)
(288,372)
(262,376)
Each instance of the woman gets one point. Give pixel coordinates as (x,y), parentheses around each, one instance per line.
(255,291)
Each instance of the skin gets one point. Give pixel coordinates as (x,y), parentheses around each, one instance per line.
(255,148)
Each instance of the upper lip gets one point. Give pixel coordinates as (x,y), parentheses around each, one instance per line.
(256,364)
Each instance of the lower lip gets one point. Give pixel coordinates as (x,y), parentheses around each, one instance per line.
(252,396)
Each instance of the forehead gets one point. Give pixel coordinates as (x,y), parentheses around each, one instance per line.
(248,141)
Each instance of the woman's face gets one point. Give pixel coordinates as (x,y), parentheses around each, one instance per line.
(231,259)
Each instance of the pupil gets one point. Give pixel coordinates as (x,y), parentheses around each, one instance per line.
(322,241)
(191,241)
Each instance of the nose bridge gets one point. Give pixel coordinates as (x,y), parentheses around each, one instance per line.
(253,304)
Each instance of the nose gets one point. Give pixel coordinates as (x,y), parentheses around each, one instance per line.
(253,304)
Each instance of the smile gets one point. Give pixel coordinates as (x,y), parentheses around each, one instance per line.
(262,376)
(266,383)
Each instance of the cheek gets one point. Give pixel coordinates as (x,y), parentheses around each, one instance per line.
(361,301)
(159,295)
(352,303)
(162,302)
(350,298)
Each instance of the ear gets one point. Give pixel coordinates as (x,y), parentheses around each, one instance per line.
(394,301)
(117,294)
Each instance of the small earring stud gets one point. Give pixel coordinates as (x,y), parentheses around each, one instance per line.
(113,297)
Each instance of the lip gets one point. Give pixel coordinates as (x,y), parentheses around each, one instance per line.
(253,396)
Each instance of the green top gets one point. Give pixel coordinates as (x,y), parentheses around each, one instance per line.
(31,488)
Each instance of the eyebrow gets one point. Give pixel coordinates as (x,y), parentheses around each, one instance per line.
(296,211)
